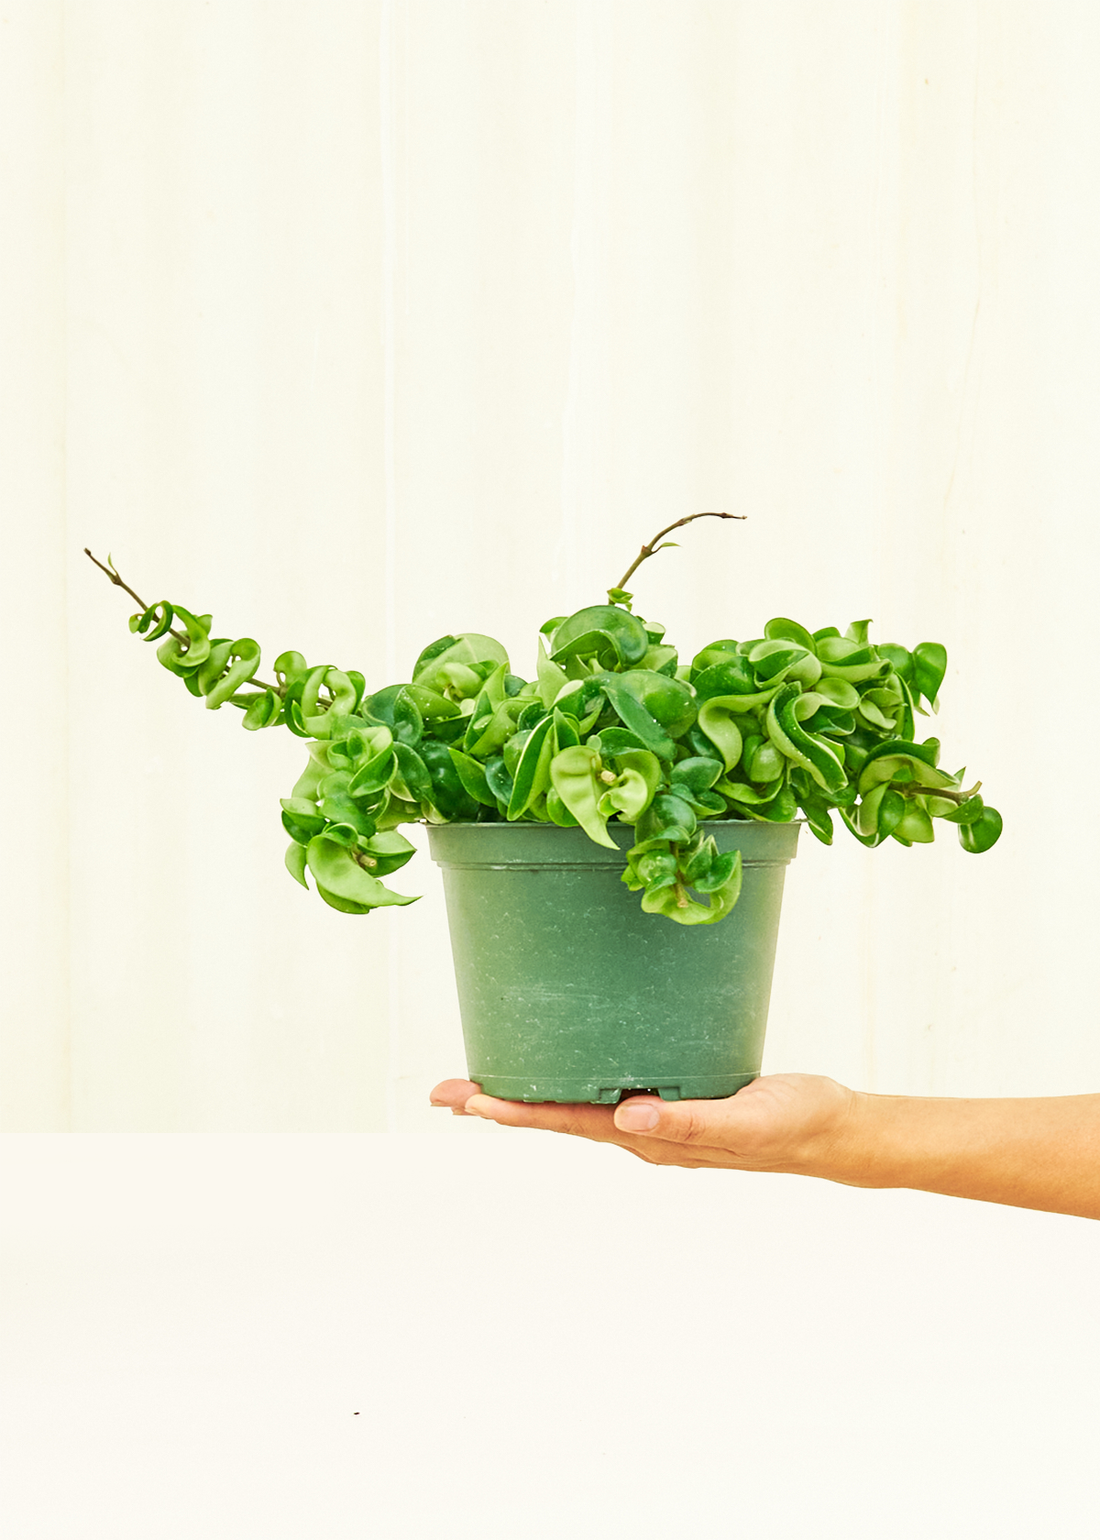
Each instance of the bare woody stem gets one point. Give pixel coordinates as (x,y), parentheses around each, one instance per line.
(117,581)
(654,545)
(181,636)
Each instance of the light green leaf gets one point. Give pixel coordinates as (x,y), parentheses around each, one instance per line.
(716,720)
(337,872)
(295,862)
(573,774)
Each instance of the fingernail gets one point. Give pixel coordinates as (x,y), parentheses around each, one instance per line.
(637,1118)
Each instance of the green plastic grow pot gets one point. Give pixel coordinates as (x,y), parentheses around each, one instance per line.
(570,993)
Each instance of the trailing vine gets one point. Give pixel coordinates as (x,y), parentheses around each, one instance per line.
(612,730)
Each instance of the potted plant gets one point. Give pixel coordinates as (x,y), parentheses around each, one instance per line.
(614,833)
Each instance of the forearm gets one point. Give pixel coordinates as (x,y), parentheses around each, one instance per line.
(1035,1152)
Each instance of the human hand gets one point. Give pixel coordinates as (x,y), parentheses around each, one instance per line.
(792,1123)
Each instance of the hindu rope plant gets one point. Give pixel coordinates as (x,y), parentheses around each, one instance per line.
(613,730)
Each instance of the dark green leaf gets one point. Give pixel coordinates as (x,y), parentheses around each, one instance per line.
(696,774)
(558,811)
(414,772)
(718,874)
(813,754)
(565,732)
(472,775)
(449,795)
(606,631)
(497,778)
(341,808)
(668,817)
(698,862)
(731,677)
(302,819)
(781,629)
(929,667)
(261,710)
(375,773)
(983,833)
(395,708)
(532,775)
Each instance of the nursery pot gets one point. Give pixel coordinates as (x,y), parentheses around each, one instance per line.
(569,992)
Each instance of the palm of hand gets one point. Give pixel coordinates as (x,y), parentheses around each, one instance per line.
(776,1123)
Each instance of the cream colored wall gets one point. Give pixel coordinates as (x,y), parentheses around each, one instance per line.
(359,322)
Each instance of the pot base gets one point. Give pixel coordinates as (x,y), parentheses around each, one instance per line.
(512,1088)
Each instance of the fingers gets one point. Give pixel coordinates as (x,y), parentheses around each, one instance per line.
(689,1122)
(578,1118)
(454,1094)
(654,1130)
(678,1142)
(776,1123)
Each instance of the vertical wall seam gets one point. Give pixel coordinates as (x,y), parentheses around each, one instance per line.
(388,64)
(584,411)
(67,1109)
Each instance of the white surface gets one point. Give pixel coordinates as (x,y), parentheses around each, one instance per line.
(539,1338)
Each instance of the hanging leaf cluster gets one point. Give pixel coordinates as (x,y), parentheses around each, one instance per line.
(613,730)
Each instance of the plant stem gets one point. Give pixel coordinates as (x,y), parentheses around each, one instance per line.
(653,546)
(948,795)
(181,636)
(117,581)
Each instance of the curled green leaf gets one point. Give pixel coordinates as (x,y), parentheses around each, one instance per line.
(338,872)
(929,667)
(154,622)
(573,774)
(814,754)
(181,658)
(716,720)
(603,631)
(983,833)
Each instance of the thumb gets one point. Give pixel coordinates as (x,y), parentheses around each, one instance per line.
(686,1122)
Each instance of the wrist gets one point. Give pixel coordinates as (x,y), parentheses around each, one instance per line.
(855,1146)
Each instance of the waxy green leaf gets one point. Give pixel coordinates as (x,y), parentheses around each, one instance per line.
(781,629)
(302,819)
(843,658)
(732,676)
(411,775)
(455,666)
(668,817)
(532,774)
(339,875)
(716,720)
(153,622)
(573,773)
(395,708)
(612,727)
(185,657)
(929,667)
(816,756)
(603,631)
(472,775)
(983,833)
(261,710)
